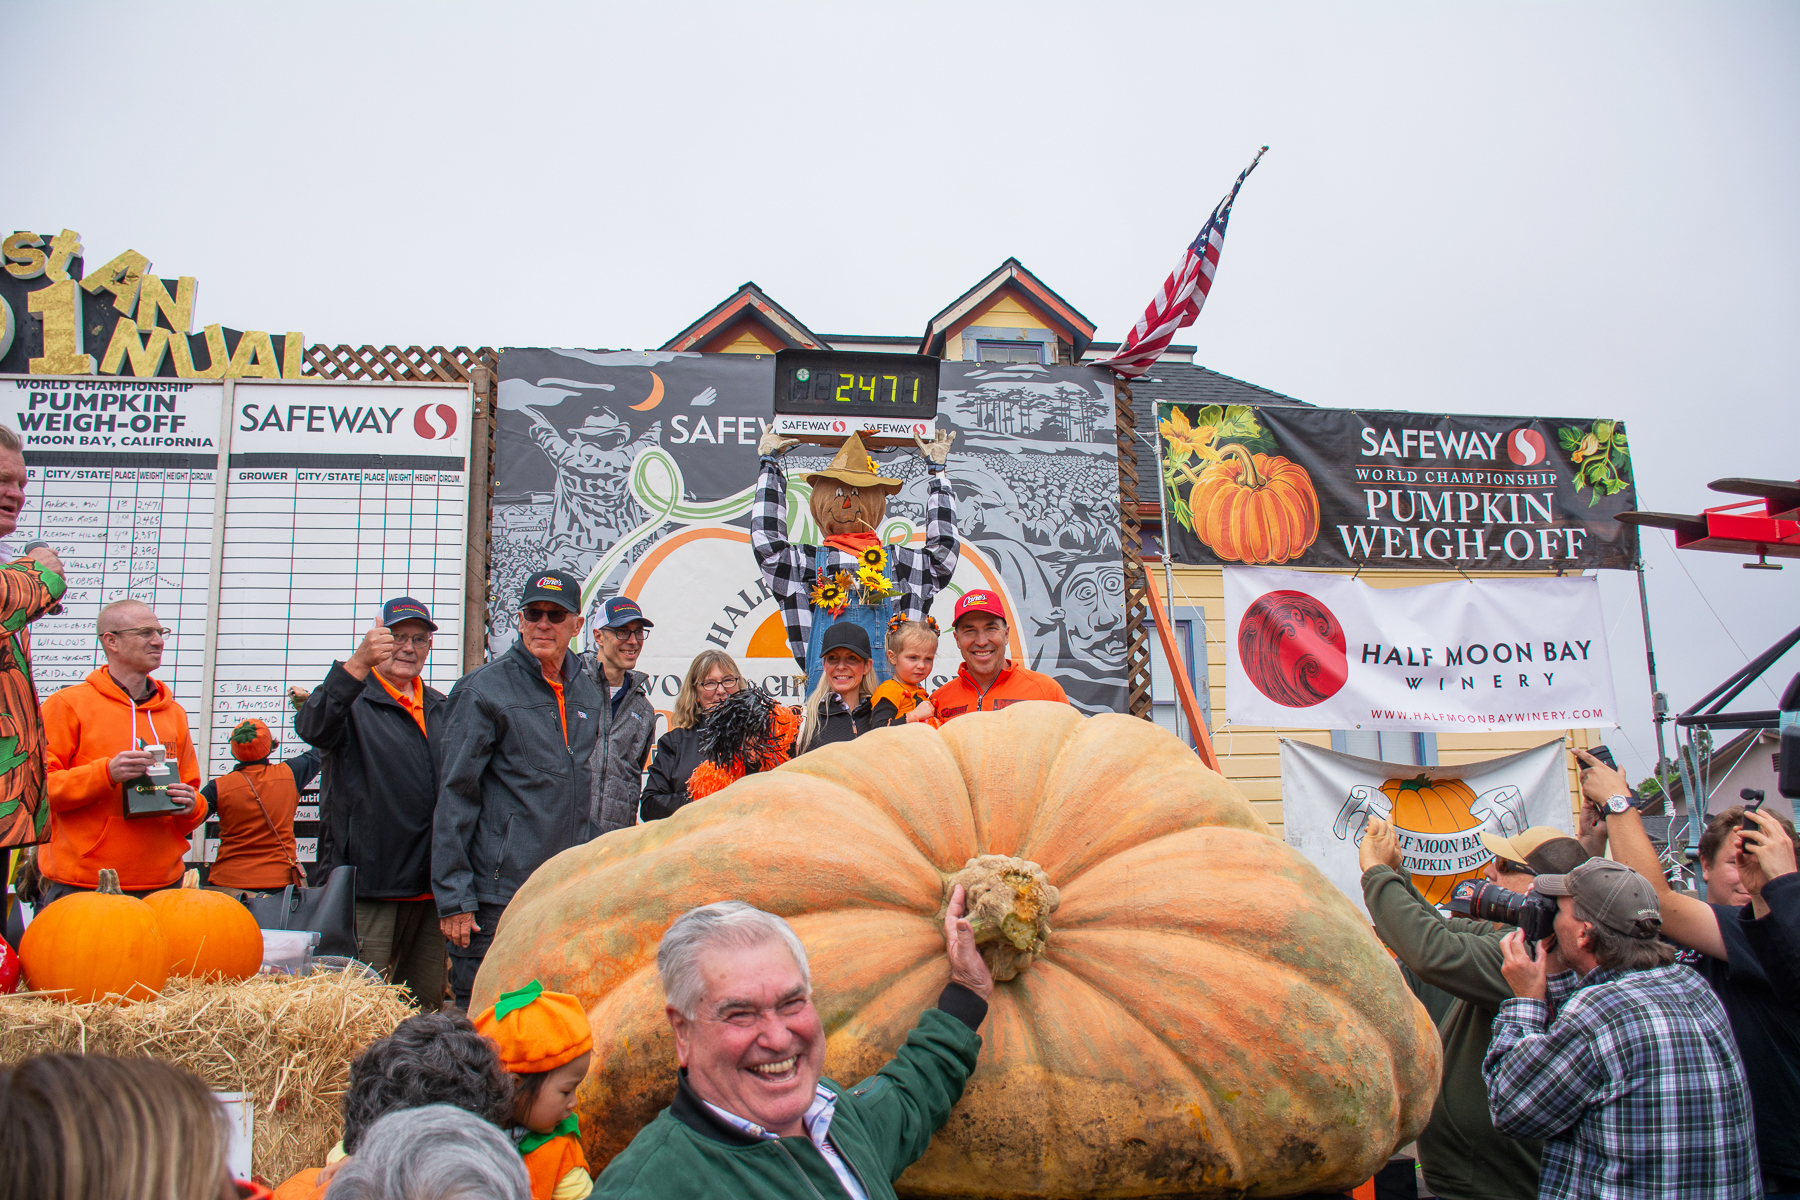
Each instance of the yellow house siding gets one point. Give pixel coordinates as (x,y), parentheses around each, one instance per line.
(747,343)
(1251,755)
(1004,311)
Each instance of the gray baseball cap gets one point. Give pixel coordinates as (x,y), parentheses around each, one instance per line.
(1611,893)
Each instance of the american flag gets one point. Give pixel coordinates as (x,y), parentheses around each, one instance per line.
(1182,296)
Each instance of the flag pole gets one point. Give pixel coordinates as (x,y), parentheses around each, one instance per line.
(1162,506)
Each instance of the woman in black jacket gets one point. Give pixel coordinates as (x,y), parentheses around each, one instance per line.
(710,678)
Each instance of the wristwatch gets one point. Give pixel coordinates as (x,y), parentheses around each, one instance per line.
(1618,804)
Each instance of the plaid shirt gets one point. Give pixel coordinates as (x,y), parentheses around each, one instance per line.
(790,571)
(1635,1086)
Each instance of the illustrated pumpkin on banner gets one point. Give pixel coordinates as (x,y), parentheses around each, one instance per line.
(853,576)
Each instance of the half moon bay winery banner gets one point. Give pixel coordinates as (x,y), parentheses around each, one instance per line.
(635,471)
(1318,487)
(1314,651)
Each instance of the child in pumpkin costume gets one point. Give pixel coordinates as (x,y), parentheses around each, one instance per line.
(546,1044)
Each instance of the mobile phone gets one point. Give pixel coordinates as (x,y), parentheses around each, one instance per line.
(1604,755)
(1753,800)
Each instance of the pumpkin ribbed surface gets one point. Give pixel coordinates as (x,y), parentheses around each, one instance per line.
(209,934)
(1269,514)
(1209,1015)
(91,945)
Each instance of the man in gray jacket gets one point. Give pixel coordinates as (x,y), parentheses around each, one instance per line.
(513,772)
(627,721)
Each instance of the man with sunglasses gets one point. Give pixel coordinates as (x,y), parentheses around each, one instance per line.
(101,734)
(377,725)
(513,772)
(627,721)
(1460,1154)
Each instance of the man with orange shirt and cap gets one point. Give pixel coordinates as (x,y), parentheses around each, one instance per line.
(377,724)
(987,679)
(102,734)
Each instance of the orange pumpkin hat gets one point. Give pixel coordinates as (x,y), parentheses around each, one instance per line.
(251,741)
(536,1030)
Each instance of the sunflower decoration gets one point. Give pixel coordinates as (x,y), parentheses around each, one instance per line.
(832,592)
(872,559)
(874,467)
(874,583)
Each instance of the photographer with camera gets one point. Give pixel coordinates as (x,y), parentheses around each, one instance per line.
(1749,939)
(1461,1155)
(1619,1059)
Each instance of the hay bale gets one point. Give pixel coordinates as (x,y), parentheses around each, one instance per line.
(285,1040)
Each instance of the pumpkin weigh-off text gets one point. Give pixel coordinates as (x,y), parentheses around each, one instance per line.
(1196,1010)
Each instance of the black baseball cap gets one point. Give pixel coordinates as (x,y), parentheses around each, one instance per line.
(552,587)
(405,608)
(619,612)
(849,636)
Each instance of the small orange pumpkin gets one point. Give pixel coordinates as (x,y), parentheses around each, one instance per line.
(251,741)
(1255,508)
(209,934)
(95,946)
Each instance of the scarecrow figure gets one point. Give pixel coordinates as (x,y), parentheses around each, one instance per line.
(853,576)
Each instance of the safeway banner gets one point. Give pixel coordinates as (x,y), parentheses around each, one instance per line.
(1438,813)
(1319,487)
(1331,652)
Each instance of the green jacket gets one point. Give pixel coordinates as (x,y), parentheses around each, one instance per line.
(881,1127)
(1460,1155)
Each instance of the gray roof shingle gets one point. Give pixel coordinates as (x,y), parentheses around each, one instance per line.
(1187,383)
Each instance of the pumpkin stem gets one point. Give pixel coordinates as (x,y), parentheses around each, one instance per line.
(1252,477)
(1008,902)
(192,878)
(109,883)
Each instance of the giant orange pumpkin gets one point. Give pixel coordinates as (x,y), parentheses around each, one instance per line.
(1435,813)
(88,946)
(210,935)
(1207,1015)
(1255,508)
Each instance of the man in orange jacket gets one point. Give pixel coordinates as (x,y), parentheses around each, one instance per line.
(987,679)
(94,731)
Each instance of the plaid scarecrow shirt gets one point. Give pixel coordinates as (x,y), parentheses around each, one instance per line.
(1634,1083)
(918,573)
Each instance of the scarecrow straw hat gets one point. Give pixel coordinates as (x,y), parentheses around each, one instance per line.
(854,467)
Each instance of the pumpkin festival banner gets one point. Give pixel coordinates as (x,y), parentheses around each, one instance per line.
(1320,487)
(1320,651)
(1438,813)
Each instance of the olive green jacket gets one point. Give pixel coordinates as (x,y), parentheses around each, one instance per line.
(1460,1154)
(881,1126)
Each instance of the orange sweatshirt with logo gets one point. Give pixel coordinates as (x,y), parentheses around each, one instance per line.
(962,694)
(84,726)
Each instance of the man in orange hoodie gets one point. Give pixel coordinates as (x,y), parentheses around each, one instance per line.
(94,733)
(987,679)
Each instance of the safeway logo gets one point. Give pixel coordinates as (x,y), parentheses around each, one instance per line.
(434,422)
(1525,447)
(839,427)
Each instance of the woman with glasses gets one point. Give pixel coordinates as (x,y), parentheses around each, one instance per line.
(710,678)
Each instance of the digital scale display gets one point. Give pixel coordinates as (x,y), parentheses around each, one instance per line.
(825,383)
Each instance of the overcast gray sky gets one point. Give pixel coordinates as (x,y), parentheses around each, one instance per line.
(1531,209)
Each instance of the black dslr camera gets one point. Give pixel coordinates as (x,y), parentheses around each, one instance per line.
(1480,900)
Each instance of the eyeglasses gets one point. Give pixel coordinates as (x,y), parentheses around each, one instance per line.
(544,616)
(730,683)
(413,639)
(640,634)
(1507,867)
(143,631)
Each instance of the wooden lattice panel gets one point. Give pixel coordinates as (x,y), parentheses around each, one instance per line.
(1137,604)
(411,364)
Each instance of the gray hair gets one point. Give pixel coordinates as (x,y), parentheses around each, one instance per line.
(9,439)
(437,1152)
(728,923)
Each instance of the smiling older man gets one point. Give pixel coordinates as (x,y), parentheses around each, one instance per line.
(752,1118)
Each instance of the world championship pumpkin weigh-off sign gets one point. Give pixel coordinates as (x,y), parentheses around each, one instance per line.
(1315,487)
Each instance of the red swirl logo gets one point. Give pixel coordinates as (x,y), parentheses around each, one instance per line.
(434,422)
(1525,447)
(1292,648)
(839,427)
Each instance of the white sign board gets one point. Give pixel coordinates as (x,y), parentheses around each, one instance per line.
(1329,652)
(264,523)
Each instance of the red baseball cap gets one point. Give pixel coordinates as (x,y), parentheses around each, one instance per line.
(977,602)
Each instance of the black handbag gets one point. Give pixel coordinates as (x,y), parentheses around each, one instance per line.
(329,911)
